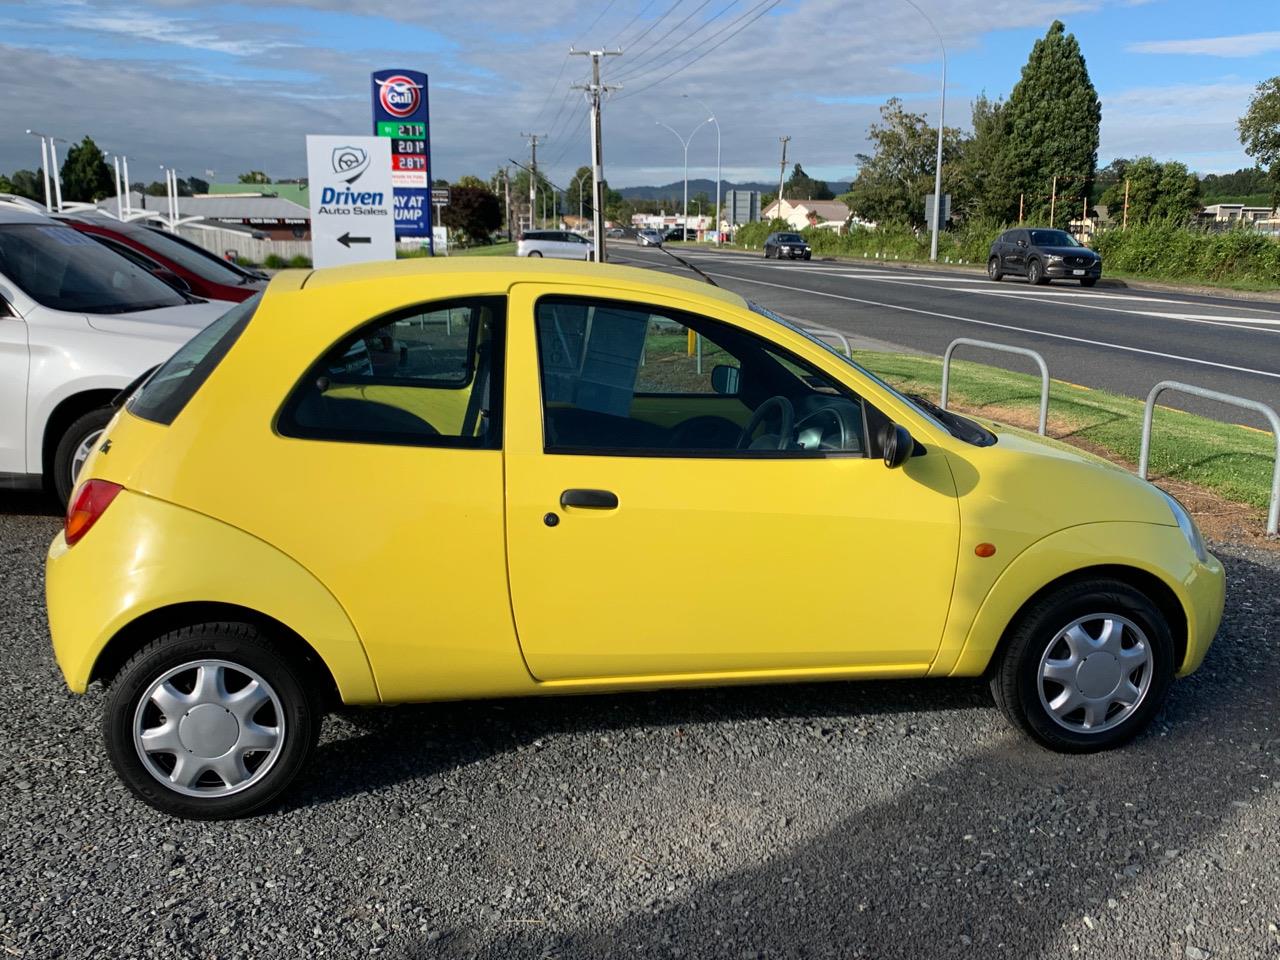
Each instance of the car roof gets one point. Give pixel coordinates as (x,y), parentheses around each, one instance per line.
(14,213)
(520,269)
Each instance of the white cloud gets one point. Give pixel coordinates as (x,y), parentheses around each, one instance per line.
(1192,122)
(1241,45)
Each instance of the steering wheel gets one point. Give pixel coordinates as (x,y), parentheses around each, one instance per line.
(786,421)
(831,414)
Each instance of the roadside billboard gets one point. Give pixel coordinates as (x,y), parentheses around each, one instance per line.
(352,206)
(400,115)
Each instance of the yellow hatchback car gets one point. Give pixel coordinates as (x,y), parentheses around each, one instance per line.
(442,480)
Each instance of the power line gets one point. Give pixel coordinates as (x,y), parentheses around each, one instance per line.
(644,33)
(640,13)
(599,17)
(675,52)
(652,43)
(767,5)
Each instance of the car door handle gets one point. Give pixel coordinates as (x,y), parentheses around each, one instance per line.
(591,499)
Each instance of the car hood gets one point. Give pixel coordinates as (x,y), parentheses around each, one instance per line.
(1072,252)
(177,324)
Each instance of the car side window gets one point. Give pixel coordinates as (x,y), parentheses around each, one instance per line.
(427,376)
(623,379)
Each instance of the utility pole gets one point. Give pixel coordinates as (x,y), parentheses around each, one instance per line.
(533,139)
(782,174)
(1124,225)
(1053,200)
(594,91)
(1021,200)
(506,197)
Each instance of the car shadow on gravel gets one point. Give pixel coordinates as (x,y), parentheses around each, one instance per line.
(384,746)
(37,503)
(1010,851)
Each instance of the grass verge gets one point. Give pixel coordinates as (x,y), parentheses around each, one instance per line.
(1232,461)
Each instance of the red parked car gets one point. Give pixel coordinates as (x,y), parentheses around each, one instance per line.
(178,262)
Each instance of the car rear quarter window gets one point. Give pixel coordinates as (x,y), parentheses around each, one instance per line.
(163,395)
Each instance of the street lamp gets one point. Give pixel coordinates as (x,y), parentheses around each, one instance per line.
(685,144)
(578,181)
(46,161)
(942,107)
(717,123)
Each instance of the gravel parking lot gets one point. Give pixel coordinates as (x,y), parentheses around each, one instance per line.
(847,820)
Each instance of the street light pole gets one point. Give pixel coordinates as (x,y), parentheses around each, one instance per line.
(717,123)
(44,168)
(579,183)
(942,108)
(685,145)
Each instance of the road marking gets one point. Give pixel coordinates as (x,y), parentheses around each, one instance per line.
(1005,326)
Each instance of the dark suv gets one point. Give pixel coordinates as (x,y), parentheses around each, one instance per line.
(1041,255)
(789,245)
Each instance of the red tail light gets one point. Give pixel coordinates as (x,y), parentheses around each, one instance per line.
(88,503)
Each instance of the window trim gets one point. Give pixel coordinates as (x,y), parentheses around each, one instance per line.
(663,453)
(286,425)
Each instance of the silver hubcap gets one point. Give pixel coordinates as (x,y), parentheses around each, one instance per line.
(82,454)
(209,728)
(1095,673)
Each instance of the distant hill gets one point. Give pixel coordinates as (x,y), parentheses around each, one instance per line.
(675,191)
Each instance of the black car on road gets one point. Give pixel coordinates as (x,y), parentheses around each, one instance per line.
(789,245)
(1041,255)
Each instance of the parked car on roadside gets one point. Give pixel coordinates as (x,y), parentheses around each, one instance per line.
(792,246)
(677,235)
(78,322)
(562,244)
(1041,255)
(538,490)
(649,238)
(174,260)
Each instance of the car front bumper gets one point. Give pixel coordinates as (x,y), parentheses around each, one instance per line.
(794,254)
(1066,271)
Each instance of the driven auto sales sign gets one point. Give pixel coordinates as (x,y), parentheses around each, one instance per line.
(352,206)
(400,114)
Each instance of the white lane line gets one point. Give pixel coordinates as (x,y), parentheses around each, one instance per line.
(1006,326)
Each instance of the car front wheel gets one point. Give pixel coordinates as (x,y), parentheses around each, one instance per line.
(993,269)
(1086,667)
(74,447)
(1035,274)
(210,722)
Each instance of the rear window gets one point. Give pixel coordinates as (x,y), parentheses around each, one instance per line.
(161,398)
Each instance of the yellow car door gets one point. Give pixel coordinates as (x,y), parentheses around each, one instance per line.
(742,538)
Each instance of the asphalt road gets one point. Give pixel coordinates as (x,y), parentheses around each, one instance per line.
(876,820)
(1117,339)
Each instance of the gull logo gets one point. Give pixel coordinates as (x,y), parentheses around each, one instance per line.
(399,95)
(349,163)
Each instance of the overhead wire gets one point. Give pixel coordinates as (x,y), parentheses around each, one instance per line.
(636,69)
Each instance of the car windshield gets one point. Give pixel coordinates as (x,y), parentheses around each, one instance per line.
(203,264)
(957,426)
(63,269)
(1053,238)
(790,238)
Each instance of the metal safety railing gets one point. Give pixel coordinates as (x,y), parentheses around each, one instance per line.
(824,333)
(1144,457)
(1003,348)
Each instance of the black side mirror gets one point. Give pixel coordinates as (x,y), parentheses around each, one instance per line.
(725,379)
(897,444)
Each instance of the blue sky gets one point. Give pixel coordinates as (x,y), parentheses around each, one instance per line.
(231,87)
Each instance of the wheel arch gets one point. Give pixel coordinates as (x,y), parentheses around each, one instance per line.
(67,411)
(136,634)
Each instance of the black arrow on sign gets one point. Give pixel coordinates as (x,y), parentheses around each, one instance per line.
(347,240)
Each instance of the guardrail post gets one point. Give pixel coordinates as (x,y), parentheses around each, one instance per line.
(1144,456)
(1003,348)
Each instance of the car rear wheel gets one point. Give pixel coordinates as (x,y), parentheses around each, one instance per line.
(210,722)
(1086,667)
(1088,281)
(1035,274)
(74,447)
(535,253)
(993,269)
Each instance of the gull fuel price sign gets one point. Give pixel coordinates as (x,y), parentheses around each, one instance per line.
(400,114)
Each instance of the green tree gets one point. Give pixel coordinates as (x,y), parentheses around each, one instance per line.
(801,186)
(27,183)
(1245,182)
(977,191)
(472,211)
(85,175)
(1157,191)
(1260,132)
(254,176)
(1050,130)
(467,180)
(898,174)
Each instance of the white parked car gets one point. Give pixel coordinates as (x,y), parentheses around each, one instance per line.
(564,244)
(648,238)
(78,323)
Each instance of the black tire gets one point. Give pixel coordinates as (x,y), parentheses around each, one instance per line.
(535,253)
(241,646)
(993,270)
(766,253)
(1035,274)
(1015,679)
(64,454)
(1088,281)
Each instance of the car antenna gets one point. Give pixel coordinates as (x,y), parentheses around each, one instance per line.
(686,263)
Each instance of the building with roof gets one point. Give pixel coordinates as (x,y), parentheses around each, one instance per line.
(798,214)
(275,218)
(295,190)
